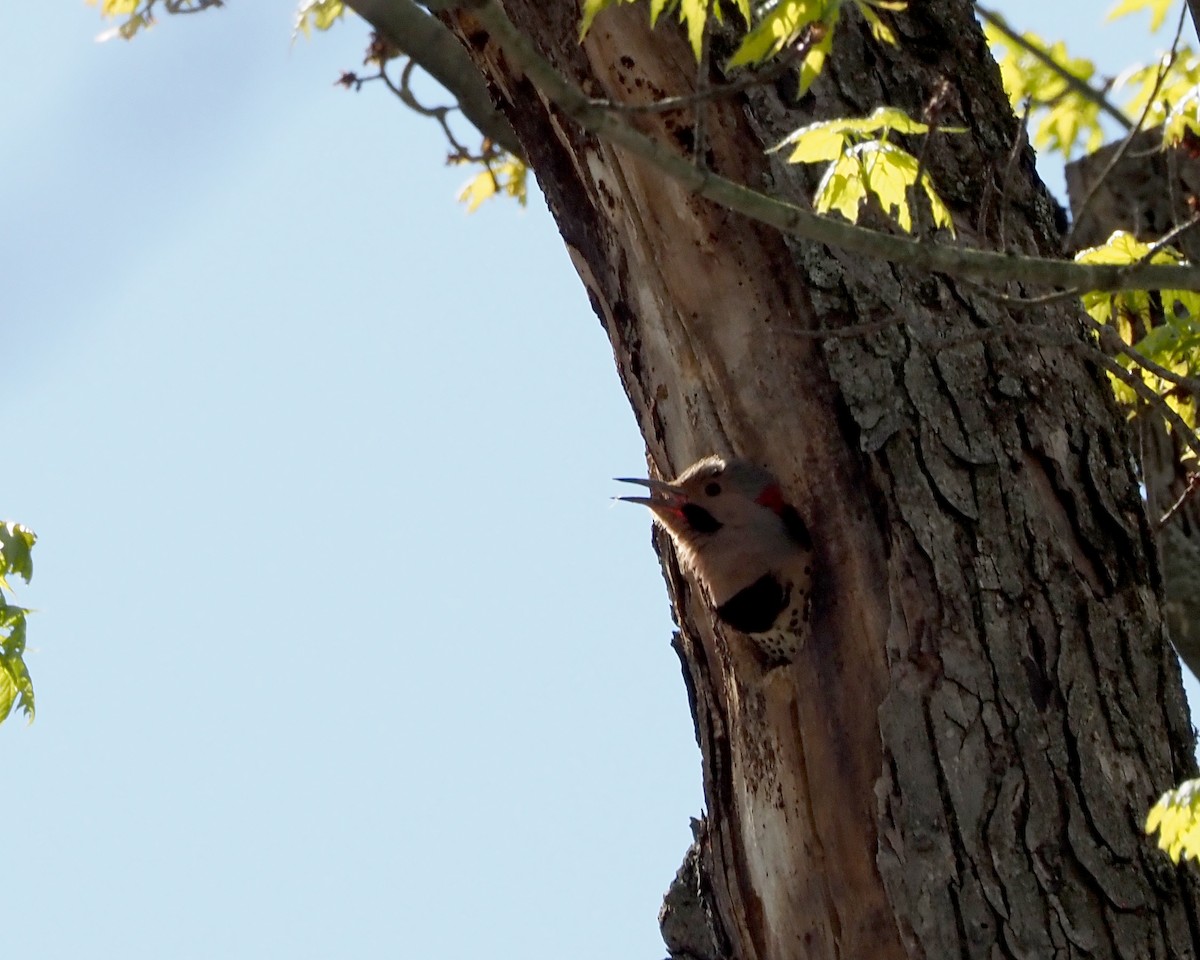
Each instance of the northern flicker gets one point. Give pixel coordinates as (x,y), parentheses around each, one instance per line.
(748,548)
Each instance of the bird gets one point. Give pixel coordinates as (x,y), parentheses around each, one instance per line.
(750,549)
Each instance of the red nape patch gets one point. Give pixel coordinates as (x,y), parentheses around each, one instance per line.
(771,498)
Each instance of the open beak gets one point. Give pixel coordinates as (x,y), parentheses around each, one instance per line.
(665,496)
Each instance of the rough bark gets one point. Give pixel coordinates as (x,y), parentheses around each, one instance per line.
(959,761)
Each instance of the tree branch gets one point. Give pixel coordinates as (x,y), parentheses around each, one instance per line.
(984,265)
(431,45)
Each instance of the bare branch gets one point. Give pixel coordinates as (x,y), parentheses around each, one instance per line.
(1193,484)
(1138,385)
(428,42)
(1112,340)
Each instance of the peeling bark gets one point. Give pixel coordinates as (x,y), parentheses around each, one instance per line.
(959,761)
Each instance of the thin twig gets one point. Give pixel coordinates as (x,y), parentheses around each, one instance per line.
(1171,236)
(935,106)
(430,42)
(489,152)
(404,92)
(1081,87)
(1010,164)
(1193,484)
(1074,293)
(1138,385)
(1111,339)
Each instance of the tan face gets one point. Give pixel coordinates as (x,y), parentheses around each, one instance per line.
(712,496)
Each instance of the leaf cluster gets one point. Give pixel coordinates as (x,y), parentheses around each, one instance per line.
(1064,115)
(865,165)
(785,22)
(16,558)
(1162,325)
(1176,818)
(773,27)
(1067,99)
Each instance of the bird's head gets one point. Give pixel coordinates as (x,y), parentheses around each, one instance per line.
(723,515)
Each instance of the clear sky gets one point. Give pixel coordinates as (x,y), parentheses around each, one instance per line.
(341,648)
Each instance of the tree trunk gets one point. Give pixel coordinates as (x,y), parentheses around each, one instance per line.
(960,760)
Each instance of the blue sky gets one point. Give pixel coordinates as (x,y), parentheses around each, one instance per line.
(341,648)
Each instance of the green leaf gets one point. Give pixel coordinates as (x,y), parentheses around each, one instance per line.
(1158,10)
(843,188)
(881,170)
(16,550)
(888,172)
(694,13)
(779,27)
(825,139)
(321,14)
(879,30)
(8,691)
(863,164)
(1064,117)
(1176,817)
(941,213)
(16,689)
(508,176)
(1181,102)
(656,10)
(593,7)
(1170,337)
(817,142)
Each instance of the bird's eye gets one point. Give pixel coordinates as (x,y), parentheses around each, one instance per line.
(712,489)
